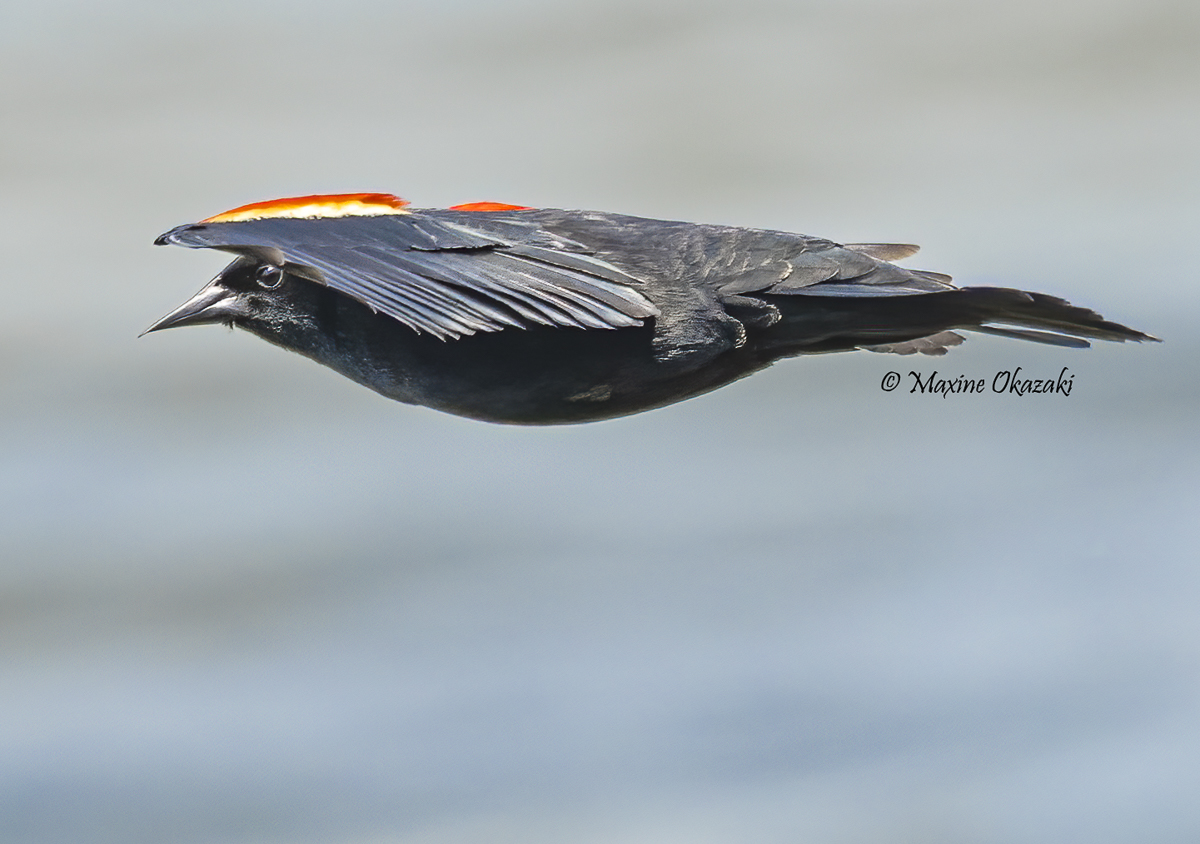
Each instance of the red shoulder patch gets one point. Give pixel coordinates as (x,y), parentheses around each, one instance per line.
(489,206)
(315,205)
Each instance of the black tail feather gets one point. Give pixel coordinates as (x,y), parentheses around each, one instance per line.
(819,323)
(1006,306)
(1035,336)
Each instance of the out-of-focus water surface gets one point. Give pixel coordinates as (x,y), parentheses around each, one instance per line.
(244,600)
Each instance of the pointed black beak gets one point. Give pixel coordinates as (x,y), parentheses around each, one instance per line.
(215,303)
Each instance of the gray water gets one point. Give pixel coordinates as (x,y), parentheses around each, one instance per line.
(244,600)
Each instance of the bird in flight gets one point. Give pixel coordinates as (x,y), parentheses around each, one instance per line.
(540,316)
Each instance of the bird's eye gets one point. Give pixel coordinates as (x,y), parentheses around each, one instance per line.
(268,276)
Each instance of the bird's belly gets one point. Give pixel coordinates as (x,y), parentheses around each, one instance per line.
(537,376)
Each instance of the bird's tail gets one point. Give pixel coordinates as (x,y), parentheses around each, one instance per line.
(925,322)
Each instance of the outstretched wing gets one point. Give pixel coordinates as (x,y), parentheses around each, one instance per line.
(446,272)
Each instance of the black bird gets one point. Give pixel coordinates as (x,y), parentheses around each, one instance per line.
(541,316)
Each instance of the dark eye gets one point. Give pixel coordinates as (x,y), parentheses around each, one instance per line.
(268,276)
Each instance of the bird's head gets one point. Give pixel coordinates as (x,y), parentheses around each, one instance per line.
(253,293)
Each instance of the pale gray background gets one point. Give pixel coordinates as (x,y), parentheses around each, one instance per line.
(244,600)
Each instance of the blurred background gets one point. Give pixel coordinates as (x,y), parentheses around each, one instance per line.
(245,600)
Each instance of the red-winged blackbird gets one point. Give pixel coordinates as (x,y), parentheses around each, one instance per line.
(515,314)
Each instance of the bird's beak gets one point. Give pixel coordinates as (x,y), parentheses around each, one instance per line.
(215,303)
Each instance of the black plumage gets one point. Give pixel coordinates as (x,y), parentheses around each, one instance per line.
(544,316)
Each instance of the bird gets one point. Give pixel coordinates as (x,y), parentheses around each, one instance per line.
(538,316)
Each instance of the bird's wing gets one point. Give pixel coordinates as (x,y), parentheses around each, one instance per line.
(448,273)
